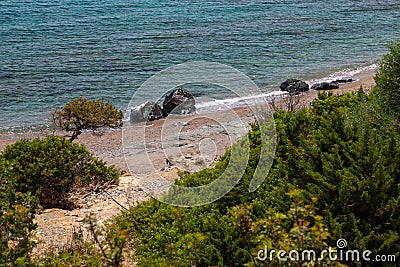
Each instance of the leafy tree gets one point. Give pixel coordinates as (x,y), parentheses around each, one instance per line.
(82,114)
(51,167)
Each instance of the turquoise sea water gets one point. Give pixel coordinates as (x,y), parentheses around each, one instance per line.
(53,51)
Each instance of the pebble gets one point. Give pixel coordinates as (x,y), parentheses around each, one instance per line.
(181,123)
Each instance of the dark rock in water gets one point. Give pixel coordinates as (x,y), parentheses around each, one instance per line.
(333,85)
(320,86)
(148,111)
(325,86)
(286,83)
(294,86)
(179,101)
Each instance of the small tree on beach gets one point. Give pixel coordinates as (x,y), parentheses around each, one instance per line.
(82,114)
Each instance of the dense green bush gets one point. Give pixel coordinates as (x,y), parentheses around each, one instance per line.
(350,172)
(387,79)
(17,211)
(52,166)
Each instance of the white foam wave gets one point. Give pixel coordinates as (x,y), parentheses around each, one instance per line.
(344,74)
(206,104)
(209,105)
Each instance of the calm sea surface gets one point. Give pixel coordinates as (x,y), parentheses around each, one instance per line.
(52,51)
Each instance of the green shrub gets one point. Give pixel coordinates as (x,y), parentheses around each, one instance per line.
(17,211)
(52,166)
(387,80)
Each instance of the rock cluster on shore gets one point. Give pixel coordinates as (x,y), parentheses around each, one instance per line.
(178,101)
(295,87)
(148,111)
(331,85)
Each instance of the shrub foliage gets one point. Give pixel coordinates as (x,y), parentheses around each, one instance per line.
(17,211)
(331,179)
(82,114)
(388,80)
(52,166)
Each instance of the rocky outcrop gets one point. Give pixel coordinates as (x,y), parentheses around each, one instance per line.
(179,101)
(294,86)
(325,86)
(148,111)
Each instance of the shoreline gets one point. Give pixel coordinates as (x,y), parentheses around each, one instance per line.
(213,103)
(56,227)
(108,144)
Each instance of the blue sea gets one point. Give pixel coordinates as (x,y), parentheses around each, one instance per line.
(52,51)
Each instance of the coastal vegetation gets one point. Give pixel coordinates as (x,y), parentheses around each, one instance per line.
(83,114)
(51,167)
(17,211)
(335,175)
(332,178)
(387,88)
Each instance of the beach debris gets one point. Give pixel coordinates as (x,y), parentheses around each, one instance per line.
(169,163)
(181,123)
(179,101)
(294,86)
(148,111)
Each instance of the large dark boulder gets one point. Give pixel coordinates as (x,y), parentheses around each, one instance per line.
(148,111)
(294,86)
(325,86)
(179,101)
(320,86)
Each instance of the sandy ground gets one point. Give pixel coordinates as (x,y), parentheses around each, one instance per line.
(189,143)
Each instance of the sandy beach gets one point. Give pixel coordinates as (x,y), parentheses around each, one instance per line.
(189,143)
